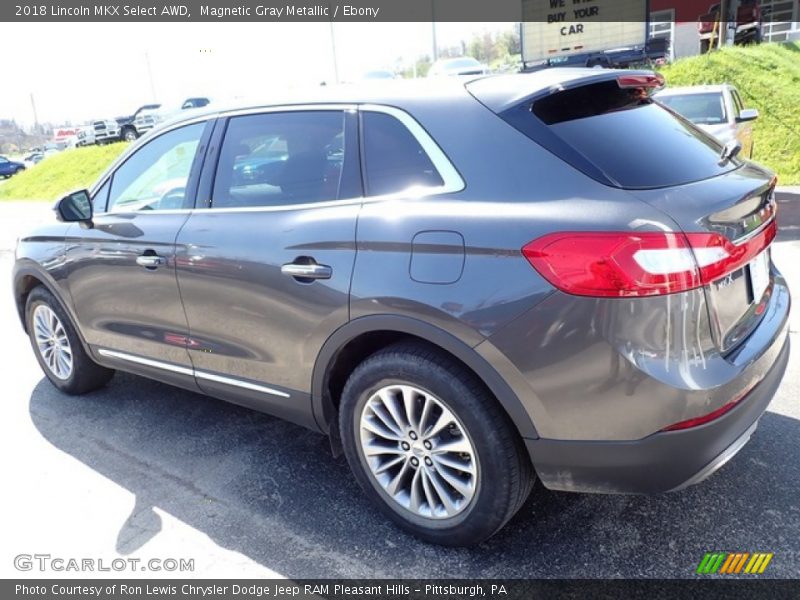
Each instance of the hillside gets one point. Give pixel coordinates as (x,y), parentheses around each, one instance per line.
(63,172)
(768,78)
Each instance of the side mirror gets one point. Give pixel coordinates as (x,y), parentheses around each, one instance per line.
(747,114)
(75,208)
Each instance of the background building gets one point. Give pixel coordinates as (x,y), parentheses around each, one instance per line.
(676,20)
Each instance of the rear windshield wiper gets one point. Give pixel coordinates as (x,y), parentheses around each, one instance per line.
(731,149)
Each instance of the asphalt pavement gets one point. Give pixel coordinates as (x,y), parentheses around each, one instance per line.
(143,470)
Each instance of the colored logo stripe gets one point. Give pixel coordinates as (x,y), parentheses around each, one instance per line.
(729,563)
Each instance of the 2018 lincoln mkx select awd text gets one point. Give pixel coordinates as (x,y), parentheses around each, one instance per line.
(466,283)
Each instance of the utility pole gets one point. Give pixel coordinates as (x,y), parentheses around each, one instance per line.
(150,75)
(433,31)
(723,24)
(35,115)
(333,51)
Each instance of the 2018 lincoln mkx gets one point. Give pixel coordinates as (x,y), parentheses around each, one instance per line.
(466,283)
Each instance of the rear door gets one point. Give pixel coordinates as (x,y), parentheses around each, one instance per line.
(264,267)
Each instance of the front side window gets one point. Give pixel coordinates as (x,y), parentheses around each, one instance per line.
(280,158)
(155,176)
(100,198)
(394,159)
(737,101)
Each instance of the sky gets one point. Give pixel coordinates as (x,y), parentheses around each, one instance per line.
(82,71)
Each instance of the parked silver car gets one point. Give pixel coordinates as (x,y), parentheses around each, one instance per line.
(717,109)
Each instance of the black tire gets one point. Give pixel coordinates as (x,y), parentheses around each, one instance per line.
(505,475)
(705,46)
(86,375)
(129,134)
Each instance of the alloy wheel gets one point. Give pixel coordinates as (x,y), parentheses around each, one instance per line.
(52,342)
(418,451)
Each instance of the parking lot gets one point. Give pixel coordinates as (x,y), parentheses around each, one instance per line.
(140,469)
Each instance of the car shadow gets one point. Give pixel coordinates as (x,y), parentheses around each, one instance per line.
(273,492)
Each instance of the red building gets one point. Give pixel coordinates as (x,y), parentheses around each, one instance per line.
(677,21)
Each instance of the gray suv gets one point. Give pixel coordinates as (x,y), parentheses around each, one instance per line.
(465,284)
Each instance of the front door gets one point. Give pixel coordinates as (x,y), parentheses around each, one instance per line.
(264,270)
(122,270)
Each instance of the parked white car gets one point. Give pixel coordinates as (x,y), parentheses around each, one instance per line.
(464,65)
(716,109)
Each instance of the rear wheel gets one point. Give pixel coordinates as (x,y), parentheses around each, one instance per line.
(129,134)
(58,348)
(430,445)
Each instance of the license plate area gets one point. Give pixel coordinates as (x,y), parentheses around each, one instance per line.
(758,275)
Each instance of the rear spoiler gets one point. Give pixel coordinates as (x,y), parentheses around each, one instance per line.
(504,92)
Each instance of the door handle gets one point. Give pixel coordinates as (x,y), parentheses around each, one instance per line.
(150,261)
(307,271)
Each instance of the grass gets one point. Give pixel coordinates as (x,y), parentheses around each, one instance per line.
(56,175)
(768,78)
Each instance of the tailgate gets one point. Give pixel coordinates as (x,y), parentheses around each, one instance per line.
(607,126)
(740,207)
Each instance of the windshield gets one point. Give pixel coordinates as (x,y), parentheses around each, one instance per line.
(700,109)
(460,63)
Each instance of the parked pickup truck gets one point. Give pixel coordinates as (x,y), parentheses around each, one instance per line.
(748,24)
(655,51)
(124,128)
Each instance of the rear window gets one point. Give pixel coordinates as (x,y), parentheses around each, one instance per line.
(622,137)
(394,159)
(700,109)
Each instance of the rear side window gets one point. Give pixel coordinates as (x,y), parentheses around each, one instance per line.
(280,158)
(394,159)
(622,137)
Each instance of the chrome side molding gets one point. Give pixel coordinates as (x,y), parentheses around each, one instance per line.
(148,362)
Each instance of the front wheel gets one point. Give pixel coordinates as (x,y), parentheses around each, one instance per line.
(431,446)
(57,347)
(129,135)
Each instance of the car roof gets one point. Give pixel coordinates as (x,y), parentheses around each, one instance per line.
(495,91)
(392,92)
(693,89)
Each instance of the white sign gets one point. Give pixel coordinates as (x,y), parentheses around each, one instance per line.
(554,28)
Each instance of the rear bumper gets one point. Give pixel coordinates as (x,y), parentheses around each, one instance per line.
(660,462)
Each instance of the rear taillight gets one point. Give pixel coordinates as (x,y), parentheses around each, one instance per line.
(630,264)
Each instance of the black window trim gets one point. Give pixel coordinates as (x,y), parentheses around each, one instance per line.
(454,182)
